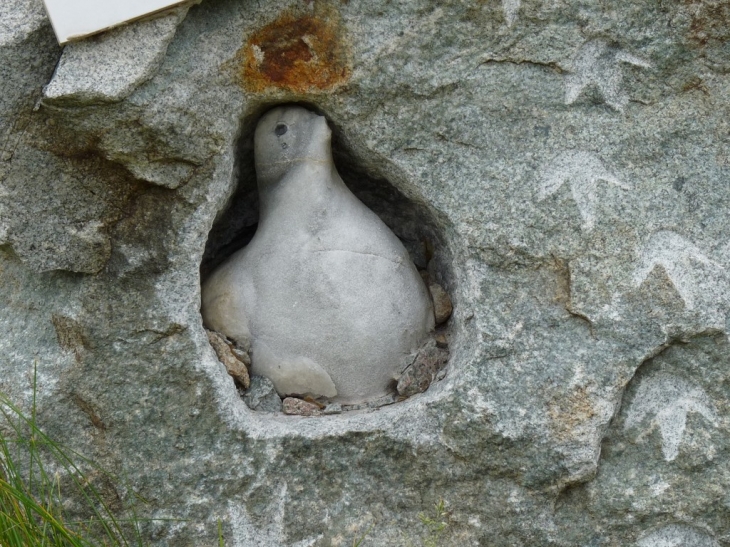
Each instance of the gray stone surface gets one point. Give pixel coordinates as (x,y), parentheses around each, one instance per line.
(262,396)
(442,307)
(677,535)
(19,18)
(108,67)
(560,168)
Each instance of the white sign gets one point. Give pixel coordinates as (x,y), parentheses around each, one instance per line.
(74,19)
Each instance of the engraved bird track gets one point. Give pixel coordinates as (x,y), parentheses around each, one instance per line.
(510,8)
(598,64)
(669,399)
(246,533)
(583,170)
(677,535)
(689,270)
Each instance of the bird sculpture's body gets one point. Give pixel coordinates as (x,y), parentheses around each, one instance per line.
(325,293)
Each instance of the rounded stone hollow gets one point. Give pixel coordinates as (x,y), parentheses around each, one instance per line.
(325,293)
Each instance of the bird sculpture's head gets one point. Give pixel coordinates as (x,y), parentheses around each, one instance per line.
(288,135)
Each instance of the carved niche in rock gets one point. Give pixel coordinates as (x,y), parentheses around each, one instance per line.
(325,293)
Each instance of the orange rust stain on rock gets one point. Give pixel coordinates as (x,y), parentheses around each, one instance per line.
(300,54)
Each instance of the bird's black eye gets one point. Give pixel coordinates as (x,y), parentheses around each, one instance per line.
(280,129)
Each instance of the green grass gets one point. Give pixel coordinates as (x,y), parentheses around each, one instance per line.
(37,477)
(357,542)
(436,523)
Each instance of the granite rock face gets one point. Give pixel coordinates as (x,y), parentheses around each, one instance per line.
(108,67)
(560,169)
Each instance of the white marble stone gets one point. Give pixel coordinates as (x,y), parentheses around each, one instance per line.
(325,291)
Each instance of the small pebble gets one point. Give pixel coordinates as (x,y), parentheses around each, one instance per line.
(333,408)
(299,407)
(262,396)
(242,355)
(442,306)
(235,367)
(424,370)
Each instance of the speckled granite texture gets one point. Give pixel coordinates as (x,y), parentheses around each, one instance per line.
(563,168)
